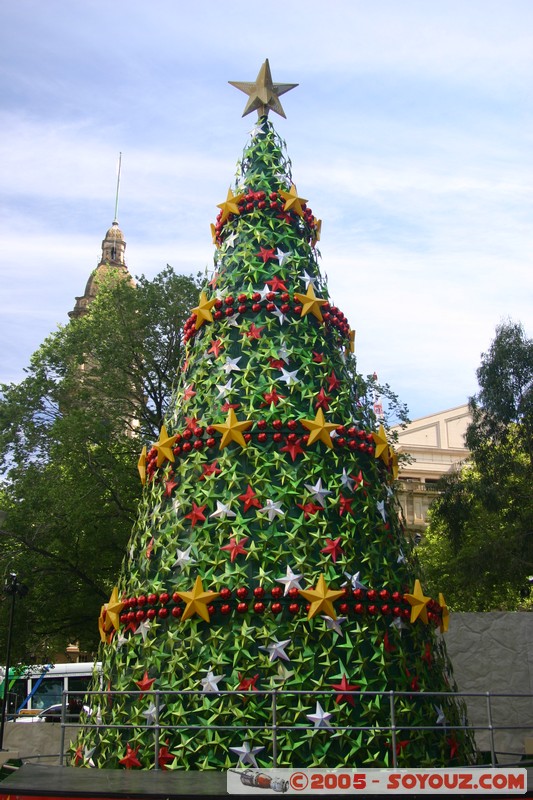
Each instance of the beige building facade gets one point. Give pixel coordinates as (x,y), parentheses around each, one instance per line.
(436,445)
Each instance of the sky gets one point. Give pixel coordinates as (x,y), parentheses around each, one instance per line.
(410,133)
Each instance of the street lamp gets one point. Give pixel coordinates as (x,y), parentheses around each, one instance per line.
(12,587)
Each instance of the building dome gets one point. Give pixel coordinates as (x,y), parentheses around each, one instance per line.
(114,232)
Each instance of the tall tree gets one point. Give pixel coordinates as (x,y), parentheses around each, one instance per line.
(68,433)
(479,545)
(268,551)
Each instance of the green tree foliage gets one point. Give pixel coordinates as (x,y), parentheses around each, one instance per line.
(479,546)
(69,442)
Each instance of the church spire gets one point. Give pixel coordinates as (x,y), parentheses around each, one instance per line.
(112,259)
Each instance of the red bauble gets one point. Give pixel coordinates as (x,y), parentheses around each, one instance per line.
(225,593)
(262,437)
(343,608)
(261,424)
(259,592)
(256,307)
(293,592)
(278,437)
(372,594)
(151,613)
(397,597)
(176,598)
(277,424)
(241,309)
(276,608)
(198,445)
(276,592)
(139,616)
(359,608)
(211,610)
(270,306)
(384,595)
(242,608)
(225,609)
(187,447)
(259,608)
(211,442)
(162,613)
(242,592)
(294,608)
(372,609)
(141,601)
(385,609)
(177,611)
(229,300)
(358,594)
(292,424)
(187,434)
(152,599)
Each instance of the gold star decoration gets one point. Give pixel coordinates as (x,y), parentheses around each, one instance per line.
(292,201)
(321,598)
(213,234)
(230,205)
(114,607)
(418,602)
(395,467)
(164,447)
(317,230)
(310,303)
(197,600)
(141,465)
(103,624)
(203,310)
(445,620)
(263,94)
(352,340)
(232,429)
(320,429)
(382,445)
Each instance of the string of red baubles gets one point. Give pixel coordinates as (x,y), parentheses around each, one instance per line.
(199,437)
(372,602)
(273,202)
(332,316)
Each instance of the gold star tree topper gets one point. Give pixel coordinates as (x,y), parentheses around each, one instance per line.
(197,600)
(321,599)
(263,93)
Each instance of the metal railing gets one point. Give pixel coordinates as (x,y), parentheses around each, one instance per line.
(159,698)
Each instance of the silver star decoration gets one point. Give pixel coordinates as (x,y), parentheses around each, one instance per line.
(320,718)
(144,628)
(151,713)
(231,365)
(354,581)
(88,756)
(381,508)
(280,315)
(283,256)
(183,557)
(318,493)
(256,130)
(283,353)
(291,580)
(346,481)
(210,682)
(401,557)
(222,511)
(399,624)
(247,754)
(121,640)
(272,509)
(276,650)
(264,291)
(229,241)
(334,624)
(289,377)
(233,320)
(441,716)
(307,279)
(176,505)
(224,388)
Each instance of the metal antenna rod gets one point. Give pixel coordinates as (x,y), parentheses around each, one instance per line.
(118,187)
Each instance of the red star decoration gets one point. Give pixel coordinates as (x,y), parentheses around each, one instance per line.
(322,400)
(150,548)
(276,363)
(188,393)
(248,684)
(359,480)
(196,514)
(454,746)
(273,397)
(285,216)
(293,448)
(427,654)
(170,484)
(344,686)
(216,347)
(414,681)
(254,332)
(318,358)
(235,547)
(209,469)
(249,498)
(165,757)
(309,508)
(276,284)
(78,755)
(266,253)
(225,407)
(191,423)
(389,648)
(214,279)
(346,505)
(130,759)
(333,382)
(146,683)
(333,548)
(401,744)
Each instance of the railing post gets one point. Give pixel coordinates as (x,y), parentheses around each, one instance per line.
(156,730)
(393,728)
(491,731)
(274,729)
(63,720)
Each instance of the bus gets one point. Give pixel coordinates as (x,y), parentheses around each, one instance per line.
(34,688)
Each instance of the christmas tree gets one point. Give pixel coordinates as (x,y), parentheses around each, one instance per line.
(268,553)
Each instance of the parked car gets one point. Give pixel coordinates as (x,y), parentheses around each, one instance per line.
(53,714)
